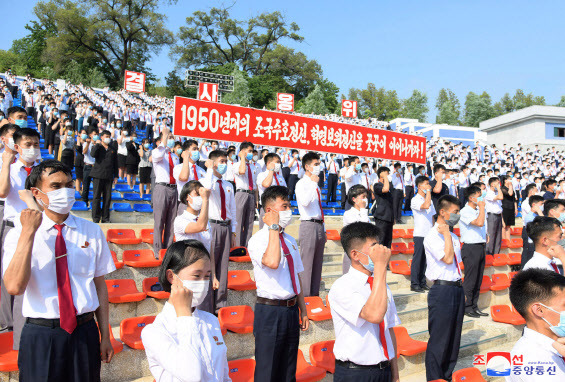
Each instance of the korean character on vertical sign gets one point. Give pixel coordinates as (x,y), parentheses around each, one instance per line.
(208,92)
(348,108)
(134,82)
(285,102)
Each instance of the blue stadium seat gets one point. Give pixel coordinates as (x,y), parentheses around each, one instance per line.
(334,204)
(293,203)
(142,207)
(117,196)
(90,195)
(80,206)
(295,211)
(131,197)
(122,207)
(146,197)
(48,156)
(77,195)
(123,188)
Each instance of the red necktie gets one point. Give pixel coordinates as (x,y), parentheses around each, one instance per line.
(195,173)
(335,167)
(381,326)
(367,179)
(249,177)
(223,198)
(28,170)
(290,262)
(67,311)
(554,266)
(457,263)
(320,202)
(297,166)
(171,165)
(277,179)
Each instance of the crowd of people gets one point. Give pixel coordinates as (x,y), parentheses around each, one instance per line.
(207,194)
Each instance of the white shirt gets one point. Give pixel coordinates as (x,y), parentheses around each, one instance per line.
(540,261)
(493,206)
(397,181)
(352,177)
(333,167)
(307,192)
(88,257)
(181,221)
(160,157)
(436,269)
(409,179)
(526,208)
(176,174)
(423,219)
(357,340)
(242,181)
(274,284)
(366,180)
(210,182)
(261,177)
(353,215)
(13,203)
(185,348)
(296,166)
(537,352)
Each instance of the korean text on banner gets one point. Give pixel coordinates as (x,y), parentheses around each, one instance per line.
(211,120)
(134,82)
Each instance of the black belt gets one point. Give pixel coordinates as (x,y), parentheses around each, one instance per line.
(167,185)
(1,202)
(314,221)
(267,301)
(9,223)
(248,191)
(492,213)
(457,283)
(352,365)
(226,223)
(55,322)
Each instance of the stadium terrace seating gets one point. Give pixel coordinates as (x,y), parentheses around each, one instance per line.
(500,281)
(147,236)
(333,234)
(516,243)
(122,207)
(140,258)
(397,248)
(516,231)
(322,355)
(240,280)
(119,264)
(503,313)
(141,207)
(8,356)
(486,284)
(409,234)
(400,267)
(80,206)
(239,255)
(122,236)
(241,370)
(123,290)
(504,243)
(398,233)
(500,260)
(406,345)
(130,330)
(131,197)
(514,258)
(470,374)
(116,196)
(146,288)
(316,309)
(306,372)
(237,319)
(489,260)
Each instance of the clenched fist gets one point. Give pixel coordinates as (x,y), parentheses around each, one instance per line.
(31,219)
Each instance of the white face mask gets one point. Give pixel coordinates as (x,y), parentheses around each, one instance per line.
(107,140)
(60,201)
(277,167)
(366,202)
(284,218)
(315,170)
(196,203)
(199,290)
(30,155)
(10,144)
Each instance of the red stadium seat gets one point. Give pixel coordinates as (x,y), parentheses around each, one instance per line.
(322,355)
(328,302)
(140,258)
(512,274)
(516,243)
(130,330)
(489,259)
(122,236)
(500,281)
(398,233)
(242,370)
(146,287)
(240,280)
(503,313)
(8,356)
(485,285)
(237,319)
(116,345)
(315,303)
(306,372)
(514,258)
(333,234)
(399,267)
(239,255)
(470,374)
(119,264)
(457,231)
(162,253)
(405,345)
(409,233)
(500,260)
(410,248)
(397,248)
(516,231)
(504,243)
(147,236)
(123,290)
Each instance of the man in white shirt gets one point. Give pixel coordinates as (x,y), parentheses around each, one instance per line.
(342,173)
(446,300)
(272,176)
(333,173)
(363,310)
(312,231)
(187,170)
(530,190)
(358,212)
(547,234)
(352,176)
(397,182)
(295,166)
(539,296)
(60,340)
(409,183)
(246,196)
(277,268)
(494,216)
(424,211)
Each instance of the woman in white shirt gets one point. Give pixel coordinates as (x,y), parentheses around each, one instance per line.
(185,343)
(357,197)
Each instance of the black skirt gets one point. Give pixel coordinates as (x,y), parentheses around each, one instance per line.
(509,216)
(145,175)
(121,161)
(131,169)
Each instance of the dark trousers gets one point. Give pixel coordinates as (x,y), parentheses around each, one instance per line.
(494,223)
(311,240)
(446,308)
(276,330)
(53,355)
(149,132)
(332,187)
(102,191)
(473,256)
(409,191)
(397,196)
(462,196)
(344,374)
(220,249)
(386,229)
(343,195)
(165,200)
(418,268)
(286,174)
(292,180)
(86,179)
(245,204)
(527,250)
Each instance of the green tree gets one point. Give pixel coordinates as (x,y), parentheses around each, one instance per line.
(314,103)
(444,96)
(8,60)
(118,34)
(30,48)
(415,106)
(330,91)
(477,108)
(379,103)
(561,102)
(263,90)
(448,114)
(240,94)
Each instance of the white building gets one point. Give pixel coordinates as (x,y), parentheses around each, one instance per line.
(456,134)
(534,125)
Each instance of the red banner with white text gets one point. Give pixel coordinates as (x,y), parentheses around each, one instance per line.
(211,120)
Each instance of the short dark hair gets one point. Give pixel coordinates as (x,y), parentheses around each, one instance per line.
(188,144)
(245,145)
(492,180)
(445,201)
(106,132)
(51,166)
(271,156)
(273,193)
(438,166)
(382,169)
(549,182)
(309,157)
(25,132)
(179,256)
(540,225)
(421,179)
(188,188)
(7,127)
(533,285)
(552,204)
(217,154)
(535,199)
(529,187)
(355,234)
(472,190)
(15,109)
(355,191)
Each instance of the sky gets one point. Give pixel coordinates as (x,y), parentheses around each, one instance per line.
(493,46)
